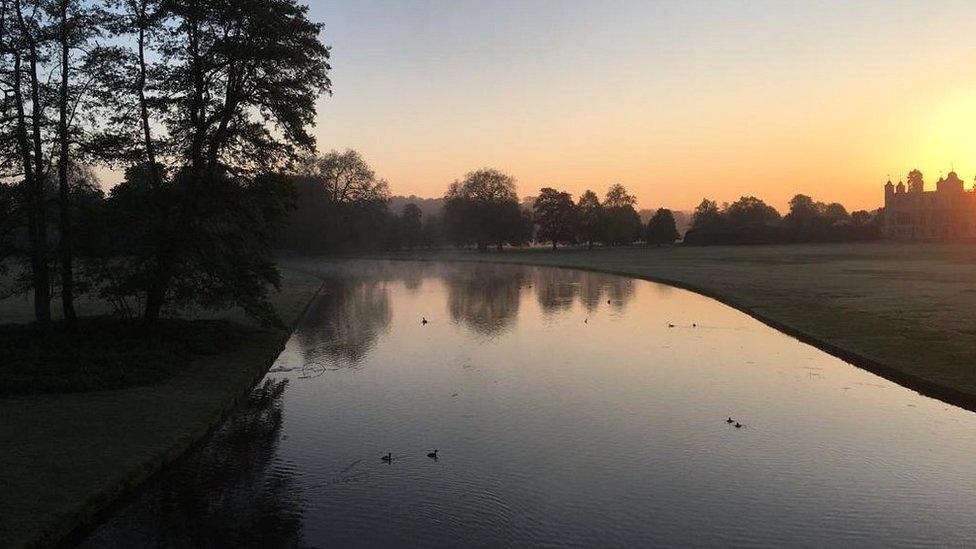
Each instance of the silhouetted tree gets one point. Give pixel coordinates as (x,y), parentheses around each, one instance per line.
(433,231)
(484,209)
(751,211)
(805,214)
(341,205)
(555,214)
(661,228)
(233,88)
(860,218)
(25,45)
(836,214)
(621,222)
(411,226)
(916,183)
(11,221)
(705,214)
(590,214)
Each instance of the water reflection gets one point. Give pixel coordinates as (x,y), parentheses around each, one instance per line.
(557,289)
(343,324)
(485,300)
(228,493)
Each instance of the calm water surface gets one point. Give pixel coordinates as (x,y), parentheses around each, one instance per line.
(566,412)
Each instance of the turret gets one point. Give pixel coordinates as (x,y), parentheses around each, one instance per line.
(900,188)
(889,190)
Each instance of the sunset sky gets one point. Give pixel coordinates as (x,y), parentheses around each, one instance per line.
(676,100)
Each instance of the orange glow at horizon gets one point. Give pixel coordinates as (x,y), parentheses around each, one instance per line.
(676,101)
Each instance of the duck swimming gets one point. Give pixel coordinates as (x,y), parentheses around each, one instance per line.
(388,457)
(432,454)
(423,320)
(738,425)
(729,420)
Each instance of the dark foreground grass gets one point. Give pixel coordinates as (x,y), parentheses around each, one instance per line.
(67,456)
(106,353)
(905,311)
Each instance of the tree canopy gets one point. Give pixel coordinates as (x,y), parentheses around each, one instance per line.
(483,209)
(661,228)
(555,215)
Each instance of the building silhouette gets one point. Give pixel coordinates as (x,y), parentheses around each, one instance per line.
(947,213)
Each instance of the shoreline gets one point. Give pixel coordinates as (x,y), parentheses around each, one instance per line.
(214,391)
(134,486)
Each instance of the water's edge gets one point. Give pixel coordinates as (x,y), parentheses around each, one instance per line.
(918,384)
(103,504)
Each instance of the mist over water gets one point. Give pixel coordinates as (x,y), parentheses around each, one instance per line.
(565,412)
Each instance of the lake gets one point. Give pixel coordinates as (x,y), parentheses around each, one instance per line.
(568,408)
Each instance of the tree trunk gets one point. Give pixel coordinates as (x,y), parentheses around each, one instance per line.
(34,177)
(154,175)
(64,196)
(174,241)
(553,245)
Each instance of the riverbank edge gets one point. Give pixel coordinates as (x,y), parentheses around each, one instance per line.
(100,504)
(924,387)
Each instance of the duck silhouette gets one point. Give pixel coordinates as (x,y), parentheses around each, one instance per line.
(388,458)
(423,320)
(670,325)
(738,425)
(729,420)
(432,454)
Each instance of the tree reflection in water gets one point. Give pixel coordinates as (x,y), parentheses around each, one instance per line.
(228,493)
(484,298)
(556,289)
(342,325)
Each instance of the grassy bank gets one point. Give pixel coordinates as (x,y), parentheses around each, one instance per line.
(67,456)
(905,311)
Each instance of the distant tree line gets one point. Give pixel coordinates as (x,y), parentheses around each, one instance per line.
(749,220)
(342,206)
(484,210)
(202,105)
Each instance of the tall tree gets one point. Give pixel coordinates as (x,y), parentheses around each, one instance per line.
(622,222)
(916,183)
(805,213)
(590,213)
(411,225)
(661,228)
(751,211)
(23,42)
(555,214)
(235,87)
(705,214)
(75,24)
(484,209)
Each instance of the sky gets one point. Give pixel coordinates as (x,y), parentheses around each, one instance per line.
(677,101)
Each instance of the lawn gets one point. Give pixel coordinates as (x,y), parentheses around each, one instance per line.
(905,311)
(67,456)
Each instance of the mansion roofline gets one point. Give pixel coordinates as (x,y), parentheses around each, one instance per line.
(946,213)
